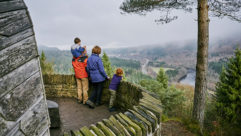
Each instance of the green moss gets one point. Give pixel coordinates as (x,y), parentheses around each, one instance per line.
(143,119)
(86,131)
(112,127)
(153,108)
(127,127)
(76,133)
(149,113)
(105,129)
(119,126)
(97,131)
(67,134)
(135,126)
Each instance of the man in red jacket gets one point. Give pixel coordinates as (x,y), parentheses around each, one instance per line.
(79,63)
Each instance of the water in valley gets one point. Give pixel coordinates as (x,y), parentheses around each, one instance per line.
(190,78)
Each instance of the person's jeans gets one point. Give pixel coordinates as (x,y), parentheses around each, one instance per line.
(97,92)
(112,98)
(82,88)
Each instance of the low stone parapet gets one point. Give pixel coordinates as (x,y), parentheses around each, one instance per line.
(140,116)
(142,120)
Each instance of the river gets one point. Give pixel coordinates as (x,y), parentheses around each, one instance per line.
(189,78)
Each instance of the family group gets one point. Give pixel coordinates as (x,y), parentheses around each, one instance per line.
(91,70)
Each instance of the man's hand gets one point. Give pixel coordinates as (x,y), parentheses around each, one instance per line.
(84,46)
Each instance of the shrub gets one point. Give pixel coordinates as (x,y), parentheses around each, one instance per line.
(172,99)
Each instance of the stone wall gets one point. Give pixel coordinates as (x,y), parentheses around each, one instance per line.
(23,108)
(65,86)
(141,110)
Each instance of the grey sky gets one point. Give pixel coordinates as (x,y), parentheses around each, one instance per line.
(57,22)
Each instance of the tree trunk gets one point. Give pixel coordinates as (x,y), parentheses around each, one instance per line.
(202,62)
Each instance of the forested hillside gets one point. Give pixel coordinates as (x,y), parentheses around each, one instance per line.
(144,62)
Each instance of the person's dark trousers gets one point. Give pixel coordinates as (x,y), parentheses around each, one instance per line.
(97,92)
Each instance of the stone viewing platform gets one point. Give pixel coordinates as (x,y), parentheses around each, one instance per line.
(139,111)
(23,91)
(74,115)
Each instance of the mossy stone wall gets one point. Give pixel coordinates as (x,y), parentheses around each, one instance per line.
(65,86)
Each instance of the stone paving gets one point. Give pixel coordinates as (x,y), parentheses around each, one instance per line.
(74,115)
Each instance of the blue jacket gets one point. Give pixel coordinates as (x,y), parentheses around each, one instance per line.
(77,50)
(95,69)
(115,82)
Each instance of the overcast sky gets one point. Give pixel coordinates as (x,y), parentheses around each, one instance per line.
(99,22)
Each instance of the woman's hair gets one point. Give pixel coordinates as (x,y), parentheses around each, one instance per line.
(96,50)
(77,40)
(119,71)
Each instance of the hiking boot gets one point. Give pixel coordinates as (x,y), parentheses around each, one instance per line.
(112,109)
(91,104)
(79,101)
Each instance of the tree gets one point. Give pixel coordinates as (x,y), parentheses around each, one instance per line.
(229,91)
(107,65)
(46,67)
(162,78)
(219,8)
(170,97)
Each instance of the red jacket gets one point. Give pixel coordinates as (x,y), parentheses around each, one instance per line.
(79,68)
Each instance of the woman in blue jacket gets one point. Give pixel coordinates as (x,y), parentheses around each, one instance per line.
(97,75)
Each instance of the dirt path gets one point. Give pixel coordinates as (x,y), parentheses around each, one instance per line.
(74,115)
(174,128)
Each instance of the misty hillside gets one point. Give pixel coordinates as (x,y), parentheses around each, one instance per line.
(170,56)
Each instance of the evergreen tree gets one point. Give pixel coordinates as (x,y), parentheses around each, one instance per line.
(107,65)
(229,91)
(219,8)
(162,78)
(46,67)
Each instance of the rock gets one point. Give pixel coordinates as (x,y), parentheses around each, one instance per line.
(135,126)
(53,108)
(153,108)
(36,120)
(127,126)
(148,123)
(86,131)
(21,98)
(137,121)
(112,127)
(152,115)
(18,76)
(97,131)
(76,133)
(143,114)
(119,126)
(105,129)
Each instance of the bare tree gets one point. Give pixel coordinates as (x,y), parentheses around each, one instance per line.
(217,8)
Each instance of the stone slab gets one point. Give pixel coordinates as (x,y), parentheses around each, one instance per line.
(97,131)
(112,127)
(36,120)
(53,109)
(6,41)
(119,126)
(85,131)
(18,76)
(105,129)
(17,55)
(16,103)
(137,121)
(6,6)
(14,22)
(6,126)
